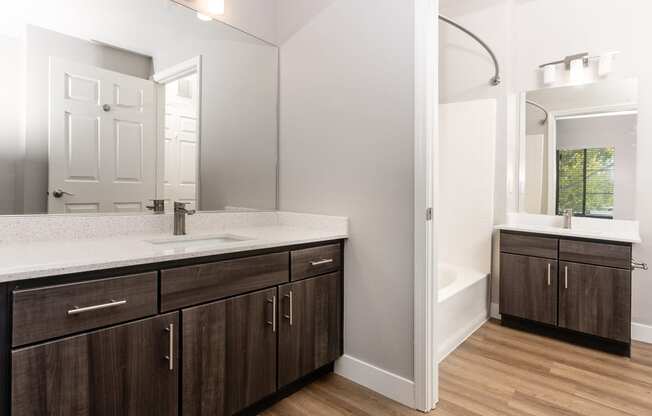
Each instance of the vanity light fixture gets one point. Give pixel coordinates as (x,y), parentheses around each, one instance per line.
(204,17)
(577,65)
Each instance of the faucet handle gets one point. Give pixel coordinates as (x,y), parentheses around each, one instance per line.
(158,206)
(181,206)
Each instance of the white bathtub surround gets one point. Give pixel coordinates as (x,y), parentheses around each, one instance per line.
(465,219)
(594,228)
(463,305)
(105,241)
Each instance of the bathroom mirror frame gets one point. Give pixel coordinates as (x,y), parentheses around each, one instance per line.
(272,200)
(517,153)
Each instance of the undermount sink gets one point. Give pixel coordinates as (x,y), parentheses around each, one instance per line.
(198,241)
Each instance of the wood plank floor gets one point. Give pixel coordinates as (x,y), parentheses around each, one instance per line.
(503,372)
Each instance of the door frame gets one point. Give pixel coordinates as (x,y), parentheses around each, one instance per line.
(173,73)
(426,366)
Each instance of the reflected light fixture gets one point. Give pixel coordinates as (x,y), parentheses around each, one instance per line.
(215,6)
(577,70)
(549,74)
(204,17)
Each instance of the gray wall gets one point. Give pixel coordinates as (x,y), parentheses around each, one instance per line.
(347,148)
(40,45)
(12,132)
(238,148)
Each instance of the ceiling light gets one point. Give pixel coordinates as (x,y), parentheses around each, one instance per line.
(204,17)
(215,6)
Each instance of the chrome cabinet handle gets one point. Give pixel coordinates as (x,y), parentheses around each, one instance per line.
(549,267)
(273,322)
(565,277)
(170,358)
(320,262)
(77,310)
(58,193)
(289,317)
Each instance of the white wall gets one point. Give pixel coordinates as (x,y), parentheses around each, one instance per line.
(347,148)
(612,131)
(467,142)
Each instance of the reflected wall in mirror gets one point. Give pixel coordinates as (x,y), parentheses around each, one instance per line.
(107,105)
(578,150)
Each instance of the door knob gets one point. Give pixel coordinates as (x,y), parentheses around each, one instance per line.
(58,193)
(106,108)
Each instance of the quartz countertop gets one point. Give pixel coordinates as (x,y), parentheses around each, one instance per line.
(624,236)
(33,259)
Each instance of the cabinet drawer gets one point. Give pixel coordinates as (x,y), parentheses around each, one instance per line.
(315,261)
(54,311)
(192,285)
(601,254)
(528,245)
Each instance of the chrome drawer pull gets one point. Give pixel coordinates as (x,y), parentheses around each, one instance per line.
(549,282)
(77,310)
(290,316)
(170,358)
(273,322)
(320,262)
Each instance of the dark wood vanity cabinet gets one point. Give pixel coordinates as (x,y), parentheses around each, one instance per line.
(534,297)
(211,336)
(310,328)
(595,300)
(229,354)
(129,370)
(570,284)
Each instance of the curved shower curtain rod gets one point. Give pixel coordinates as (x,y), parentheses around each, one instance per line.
(540,107)
(495,80)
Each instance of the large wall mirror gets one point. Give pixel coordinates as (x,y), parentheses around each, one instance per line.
(107,105)
(578,150)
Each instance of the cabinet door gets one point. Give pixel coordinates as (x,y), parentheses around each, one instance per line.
(528,288)
(124,370)
(310,330)
(229,354)
(595,300)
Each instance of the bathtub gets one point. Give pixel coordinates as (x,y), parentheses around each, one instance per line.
(463,305)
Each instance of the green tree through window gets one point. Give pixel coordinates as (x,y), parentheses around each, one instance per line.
(585,181)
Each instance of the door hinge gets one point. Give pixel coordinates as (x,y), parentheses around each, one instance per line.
(429,214)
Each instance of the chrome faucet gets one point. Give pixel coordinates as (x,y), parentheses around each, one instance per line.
(568,218)
(180,212)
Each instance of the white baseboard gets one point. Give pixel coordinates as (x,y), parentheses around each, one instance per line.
(642,333)
(495,311)
(383,382)
(445,348)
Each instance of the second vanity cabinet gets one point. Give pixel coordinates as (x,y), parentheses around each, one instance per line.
(206,338)
(581,286)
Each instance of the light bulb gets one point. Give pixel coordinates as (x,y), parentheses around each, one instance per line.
(204,17)
(215,6)
(549,74)
(577,70)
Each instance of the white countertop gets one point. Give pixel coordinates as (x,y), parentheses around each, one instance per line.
(624,236)
(29,260)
